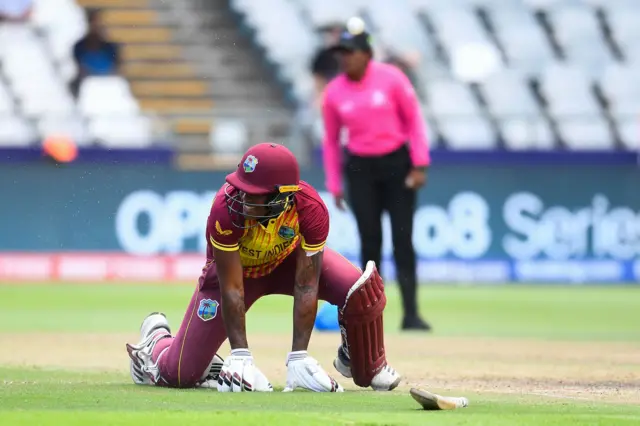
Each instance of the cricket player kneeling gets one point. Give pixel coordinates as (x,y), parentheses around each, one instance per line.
(266,234)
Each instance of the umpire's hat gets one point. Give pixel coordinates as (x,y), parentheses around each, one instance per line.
(354,39)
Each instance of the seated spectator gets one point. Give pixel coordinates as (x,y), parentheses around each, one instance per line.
(325,66)
(94,54)
(15,10)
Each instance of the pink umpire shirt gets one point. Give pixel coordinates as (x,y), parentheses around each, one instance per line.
(380,114)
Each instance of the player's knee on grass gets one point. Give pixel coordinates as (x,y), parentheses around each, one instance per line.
(187,373)
(362,327)
(200,336)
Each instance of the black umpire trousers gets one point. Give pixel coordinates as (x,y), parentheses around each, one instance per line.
(375,185)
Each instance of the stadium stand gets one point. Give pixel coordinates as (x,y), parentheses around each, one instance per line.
(520,74)
(215,74)
(186,69)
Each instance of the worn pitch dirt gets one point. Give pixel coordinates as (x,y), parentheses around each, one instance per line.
(597,371)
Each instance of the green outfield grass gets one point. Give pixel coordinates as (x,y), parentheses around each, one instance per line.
(41,396)
(32,398)
(550,312)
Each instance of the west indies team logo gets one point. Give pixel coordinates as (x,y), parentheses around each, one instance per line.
(250,164)
(208,309)
(286,232)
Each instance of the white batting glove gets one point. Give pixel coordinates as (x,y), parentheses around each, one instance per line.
(238,374)
(305,372)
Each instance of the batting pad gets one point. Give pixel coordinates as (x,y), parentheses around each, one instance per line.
(361,318)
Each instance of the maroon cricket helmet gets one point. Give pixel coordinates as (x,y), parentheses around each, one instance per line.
(265,169)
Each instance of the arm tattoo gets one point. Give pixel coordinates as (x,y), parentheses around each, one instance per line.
(305,298)
(233,313)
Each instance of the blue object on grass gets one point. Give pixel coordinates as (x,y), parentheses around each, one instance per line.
(327,318)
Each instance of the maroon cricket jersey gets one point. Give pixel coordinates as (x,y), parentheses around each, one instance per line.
(263,247)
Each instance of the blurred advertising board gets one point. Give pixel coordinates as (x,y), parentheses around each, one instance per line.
(475,222)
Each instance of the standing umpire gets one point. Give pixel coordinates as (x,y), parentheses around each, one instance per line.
(386,157)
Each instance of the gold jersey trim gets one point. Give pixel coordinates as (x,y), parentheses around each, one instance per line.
(224,247)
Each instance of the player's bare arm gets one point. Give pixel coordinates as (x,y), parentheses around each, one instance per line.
(232,295)
(238,372)
(305,297)
(303,370)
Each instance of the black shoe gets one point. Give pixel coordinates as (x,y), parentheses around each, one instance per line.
(415,323)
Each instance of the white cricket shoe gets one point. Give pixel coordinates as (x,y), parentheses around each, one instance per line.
(342,363)
(387,379)
(143,371)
